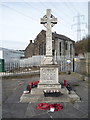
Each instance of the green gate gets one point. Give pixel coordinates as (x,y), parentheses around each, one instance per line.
(2,65)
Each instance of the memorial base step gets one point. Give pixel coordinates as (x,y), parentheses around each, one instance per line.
(37,95)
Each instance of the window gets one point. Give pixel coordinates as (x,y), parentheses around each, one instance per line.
(42,49)
(70,49)
(66,46)
(53,52)
(60,48)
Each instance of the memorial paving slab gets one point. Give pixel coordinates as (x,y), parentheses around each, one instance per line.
(12,108)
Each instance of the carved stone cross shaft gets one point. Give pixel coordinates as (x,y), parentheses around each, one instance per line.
(48,21)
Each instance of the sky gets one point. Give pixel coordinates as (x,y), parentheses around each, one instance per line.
(20,20)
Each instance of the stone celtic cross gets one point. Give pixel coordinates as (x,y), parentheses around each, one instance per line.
(48,21)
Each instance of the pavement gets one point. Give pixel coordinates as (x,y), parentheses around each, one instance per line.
(12,90)
(19,73)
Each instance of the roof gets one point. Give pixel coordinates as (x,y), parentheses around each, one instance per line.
(59,36)
(11,50)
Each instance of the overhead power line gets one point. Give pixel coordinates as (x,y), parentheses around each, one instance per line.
(64,23)
(78,24)
(71,6)
(18,12)
(30,5)
(55,13)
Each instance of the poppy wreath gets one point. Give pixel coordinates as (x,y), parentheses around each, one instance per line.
(56,106)
(32,85)
(46,106)
(43,106)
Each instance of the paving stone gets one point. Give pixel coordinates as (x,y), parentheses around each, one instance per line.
(33,111)
(83,93)
(14,110)
(46,116)
(68,111)
(14,86)
(81,106)
(0,112)
(15,97)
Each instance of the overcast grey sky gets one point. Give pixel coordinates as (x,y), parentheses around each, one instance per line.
(20,21)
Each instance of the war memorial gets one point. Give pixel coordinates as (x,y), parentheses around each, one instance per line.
(49,76)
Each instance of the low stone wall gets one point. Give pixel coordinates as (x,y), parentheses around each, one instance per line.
(82,66)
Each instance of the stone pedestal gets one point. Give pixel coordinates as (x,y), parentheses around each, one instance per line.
(47,60)
(49,77)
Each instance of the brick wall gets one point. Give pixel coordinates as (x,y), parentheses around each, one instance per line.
(29,51)
(40,39)
(39,48)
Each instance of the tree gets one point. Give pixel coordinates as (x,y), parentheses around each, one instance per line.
(82,46)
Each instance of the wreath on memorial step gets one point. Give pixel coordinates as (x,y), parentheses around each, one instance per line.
(51,107)
(32,85)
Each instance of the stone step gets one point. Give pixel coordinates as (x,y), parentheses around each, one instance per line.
(41,98)
(37,95)
(41,91)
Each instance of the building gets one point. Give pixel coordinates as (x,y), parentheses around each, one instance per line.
(10,58)
(89,18)
(63,49)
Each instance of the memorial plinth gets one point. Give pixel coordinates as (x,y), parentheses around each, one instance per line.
(49,77)
(48,71)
